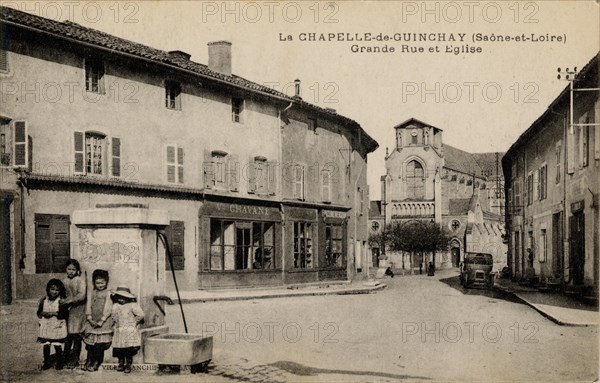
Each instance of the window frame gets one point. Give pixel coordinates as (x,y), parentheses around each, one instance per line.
(173,101)
(303,246)
(94,64)
(177,163)
(237,110)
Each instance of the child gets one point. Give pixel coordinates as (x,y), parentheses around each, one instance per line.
(98,331)
(52,330)
(76,292)
(127,315)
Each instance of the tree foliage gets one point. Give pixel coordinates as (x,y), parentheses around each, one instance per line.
(414,237)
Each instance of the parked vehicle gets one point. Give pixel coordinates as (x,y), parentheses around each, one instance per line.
(476,270)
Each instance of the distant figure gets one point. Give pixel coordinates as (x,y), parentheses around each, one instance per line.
(389,272)
(529,257)
(421,268)
(430,269)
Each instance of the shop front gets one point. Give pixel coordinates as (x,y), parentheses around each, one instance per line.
(333,258)
(300,244)
(240,244)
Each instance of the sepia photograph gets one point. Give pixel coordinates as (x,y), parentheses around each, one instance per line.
(299,191)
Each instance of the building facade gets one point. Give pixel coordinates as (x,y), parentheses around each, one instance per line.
(91,119)
(429,181)
(552,186)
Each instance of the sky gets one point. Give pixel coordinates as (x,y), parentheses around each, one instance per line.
(483,96)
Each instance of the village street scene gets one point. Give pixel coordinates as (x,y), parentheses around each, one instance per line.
(299,192)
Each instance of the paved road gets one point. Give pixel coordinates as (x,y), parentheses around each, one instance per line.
(417,328)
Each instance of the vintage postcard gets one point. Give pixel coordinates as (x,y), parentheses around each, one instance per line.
(300,191)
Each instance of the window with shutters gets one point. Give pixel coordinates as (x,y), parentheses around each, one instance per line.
(52,246)
(558,150)
(94,75)
(21,145)
(530,188)
(298,175)
(326,185)
(173,95)
(237,108)
(303,245)
(221,170)
(3,61)
(543,182)
(517,195)
(258,176)
(175,234)
(92,155)
(174,164)
(5,144)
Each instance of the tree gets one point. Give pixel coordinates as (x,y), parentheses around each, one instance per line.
(416,237)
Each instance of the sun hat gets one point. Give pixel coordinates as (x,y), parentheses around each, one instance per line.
(123,291)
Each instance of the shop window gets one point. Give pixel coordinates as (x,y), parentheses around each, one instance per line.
(51,243)
(334,246)
(303,245)
(175,233)
(241,245)
(94,75)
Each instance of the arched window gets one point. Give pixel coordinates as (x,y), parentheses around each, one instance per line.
(415,180)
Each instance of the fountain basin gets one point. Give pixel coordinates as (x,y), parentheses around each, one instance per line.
(178,349)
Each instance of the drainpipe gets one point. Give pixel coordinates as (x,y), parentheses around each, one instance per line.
(279,142)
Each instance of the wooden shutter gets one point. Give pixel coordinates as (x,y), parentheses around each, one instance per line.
(52,247)
(536,185)
(570,148)
(3,60)
(78,148)
(272,177)
(116,157)
(208,169)
(175,234)
(325,185)
(20,144)
(60,242)
(43,243)
(597,130)
(251,175)
(180,165)
(234,172)
(205,243)
(298,181)
(170,163)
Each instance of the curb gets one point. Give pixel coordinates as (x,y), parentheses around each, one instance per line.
(285,294)
(541,311)
(552,317)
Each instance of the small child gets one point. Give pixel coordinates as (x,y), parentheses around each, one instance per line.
(52,330)
(98,331)
(127,315)
(76,294)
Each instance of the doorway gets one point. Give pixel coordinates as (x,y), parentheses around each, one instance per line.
(577,258)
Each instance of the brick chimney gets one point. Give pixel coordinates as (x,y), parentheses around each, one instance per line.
(219,57)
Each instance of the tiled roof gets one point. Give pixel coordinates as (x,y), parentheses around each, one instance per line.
(459,160)
(79,33)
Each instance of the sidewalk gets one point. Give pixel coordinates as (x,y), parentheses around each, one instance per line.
(284,291)
(559,308)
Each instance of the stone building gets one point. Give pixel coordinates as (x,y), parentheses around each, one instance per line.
(552,186)
(89,118)
(427,180)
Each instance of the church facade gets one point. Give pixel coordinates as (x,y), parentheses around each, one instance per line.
(429,181)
